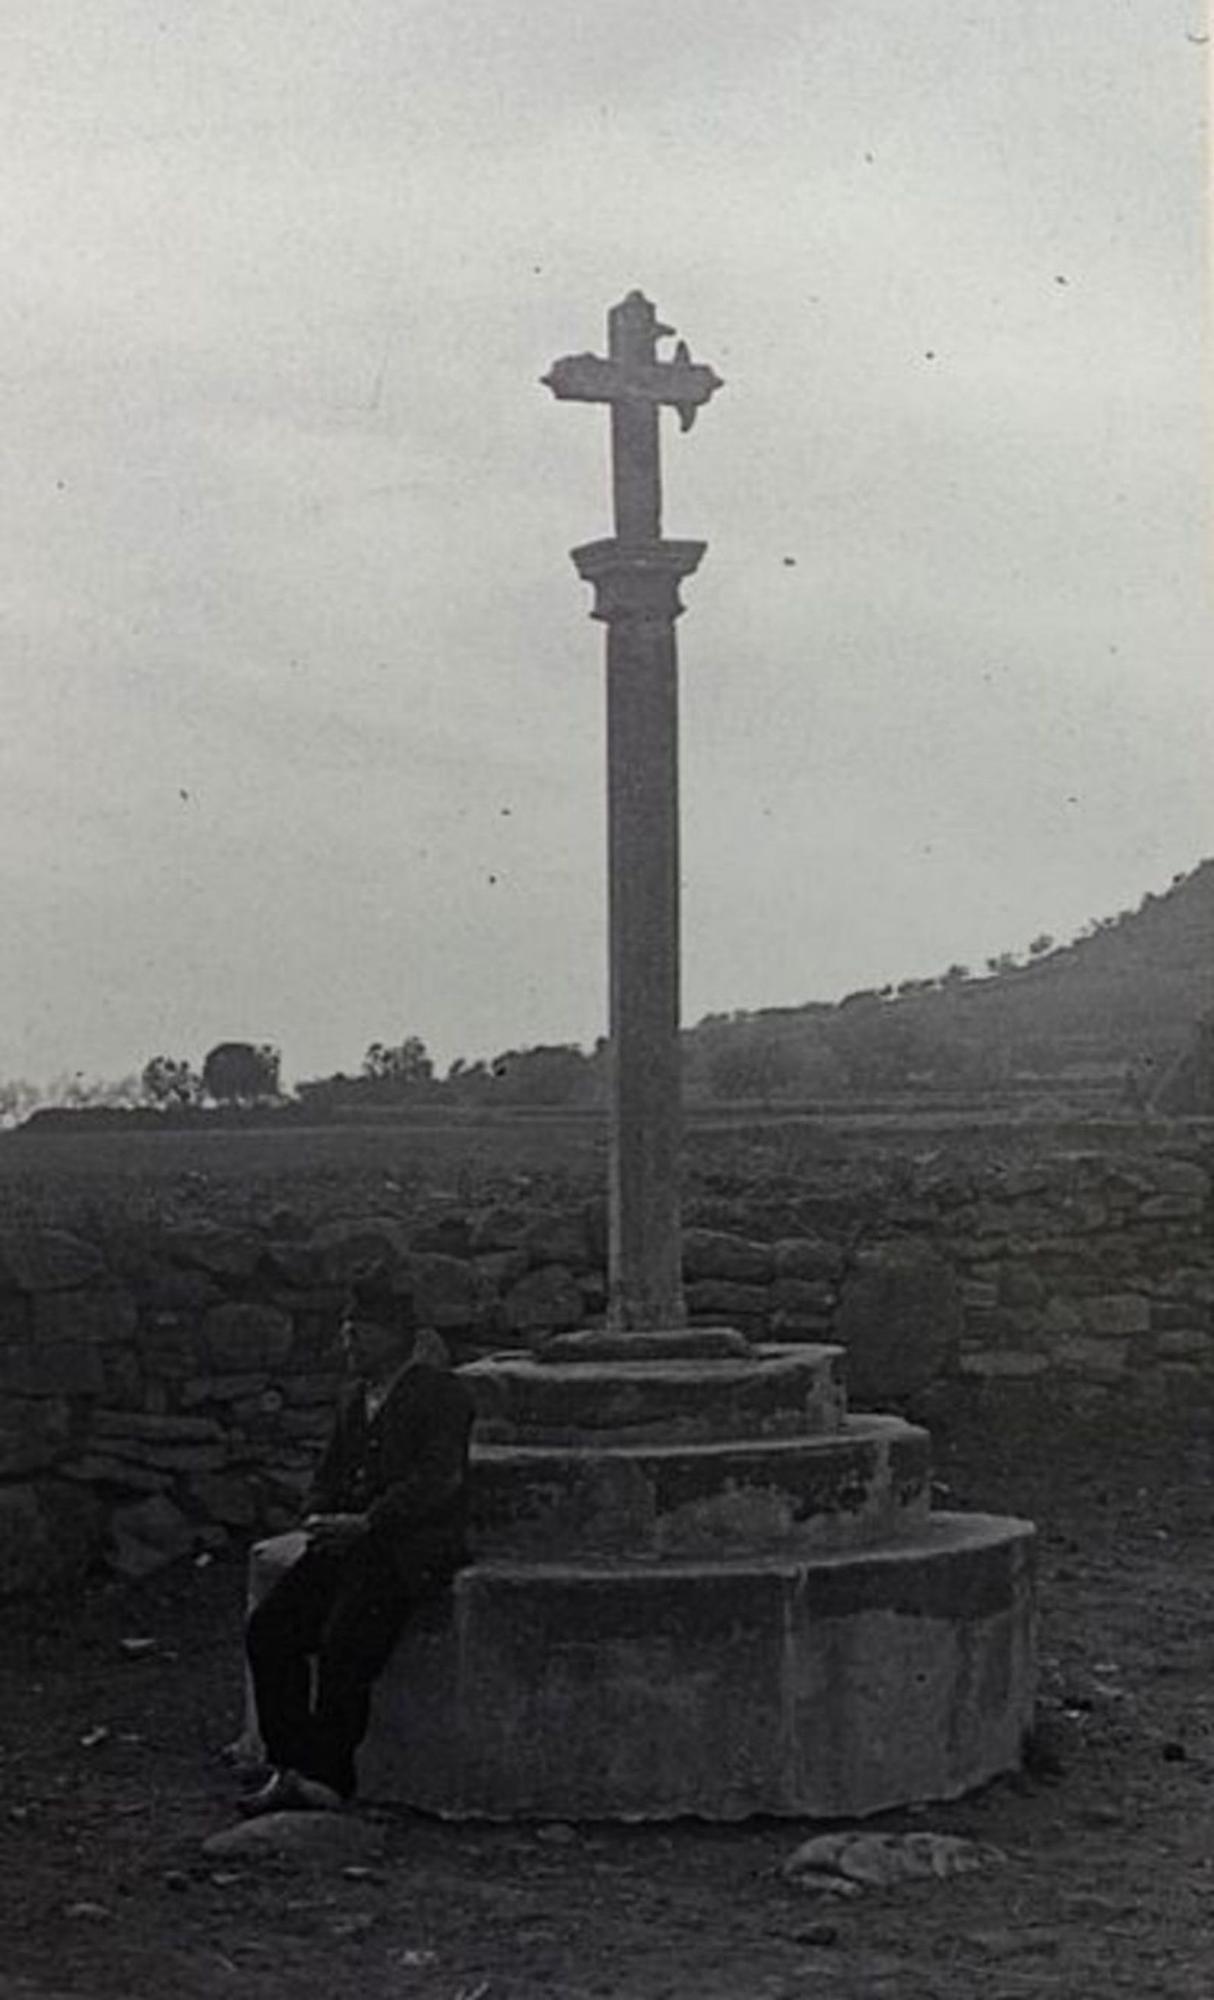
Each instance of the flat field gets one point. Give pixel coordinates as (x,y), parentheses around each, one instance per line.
(311,1168)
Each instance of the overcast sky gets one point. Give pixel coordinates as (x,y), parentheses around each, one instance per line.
(301,709)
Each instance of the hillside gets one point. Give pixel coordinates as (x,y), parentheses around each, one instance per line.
(1122,1000)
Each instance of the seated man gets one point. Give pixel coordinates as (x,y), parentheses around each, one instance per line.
(385,1527)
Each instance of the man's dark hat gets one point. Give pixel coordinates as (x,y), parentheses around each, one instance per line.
(372,1296)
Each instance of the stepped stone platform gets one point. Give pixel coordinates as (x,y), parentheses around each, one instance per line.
(703,1587)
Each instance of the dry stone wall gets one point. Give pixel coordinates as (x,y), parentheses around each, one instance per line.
(164,1388)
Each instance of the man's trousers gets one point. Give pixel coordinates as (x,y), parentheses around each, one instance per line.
(317,1643)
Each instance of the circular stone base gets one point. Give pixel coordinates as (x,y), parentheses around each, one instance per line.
(826,1687)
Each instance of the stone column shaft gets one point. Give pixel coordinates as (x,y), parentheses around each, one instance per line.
(637,598)
(644,1275)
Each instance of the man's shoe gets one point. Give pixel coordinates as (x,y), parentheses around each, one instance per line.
(267,1798)
(313,1795)
(290,1791)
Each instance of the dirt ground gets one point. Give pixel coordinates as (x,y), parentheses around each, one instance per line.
(111,1781)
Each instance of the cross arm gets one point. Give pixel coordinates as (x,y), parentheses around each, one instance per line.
(592,378)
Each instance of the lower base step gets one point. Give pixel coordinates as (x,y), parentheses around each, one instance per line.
(828,1687)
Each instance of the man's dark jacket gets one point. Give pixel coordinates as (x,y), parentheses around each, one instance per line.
(405,1468)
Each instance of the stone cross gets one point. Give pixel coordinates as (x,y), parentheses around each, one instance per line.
(636,577)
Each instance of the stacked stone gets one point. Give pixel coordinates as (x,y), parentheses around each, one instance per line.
(165,1386)
(1088,1270)
(173,1391)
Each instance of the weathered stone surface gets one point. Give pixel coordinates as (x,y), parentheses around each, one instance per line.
(809,1297)
(979,1296)
(225,1497)
(553,1503)
(33,1432)
(170,1457)
(1096,1357)
(1003,1363)
(47,1260)
(102,1316)
(559,1237)
(448,1235)
(1184,1343)
(167,1348)
(807,1257)
(1178,1177)
(208,1246)
(714,1253)
(777,1392)
(293,1263)
(1020,1285)
(341,1838)
(1168,1313)
(97,1468)
(881,1860)
(502,1268)
(798,1327)
(148,1535)
(47,1532)
(1118,1317)
(684,1343)
(142,1424)
(51,1368)
(1061,1317)
(123,1386)
(449,1292)
(899,1318)
(312,1425)
(353,1246)
(222,1388)
(305,1391)
(497,1228)
(1173,1208)
(16,1317)
(724,1299)
(579,1692)
(549,1299)
(184,1292)
(246,1335)
(1008,1326)
(23,1539)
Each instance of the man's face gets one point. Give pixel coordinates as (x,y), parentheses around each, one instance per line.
(368,1347)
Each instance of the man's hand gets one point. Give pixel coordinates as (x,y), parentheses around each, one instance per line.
(335,1531)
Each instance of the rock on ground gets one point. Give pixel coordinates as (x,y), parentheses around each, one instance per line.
(330,1836)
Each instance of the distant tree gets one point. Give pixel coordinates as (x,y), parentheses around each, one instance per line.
(1042,943)
(1005,961)
(17,1099)
(955,975)
(468,1082)
(402,1065)
(168,1080)
(241,1072)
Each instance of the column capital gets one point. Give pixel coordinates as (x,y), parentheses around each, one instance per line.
(639,581)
